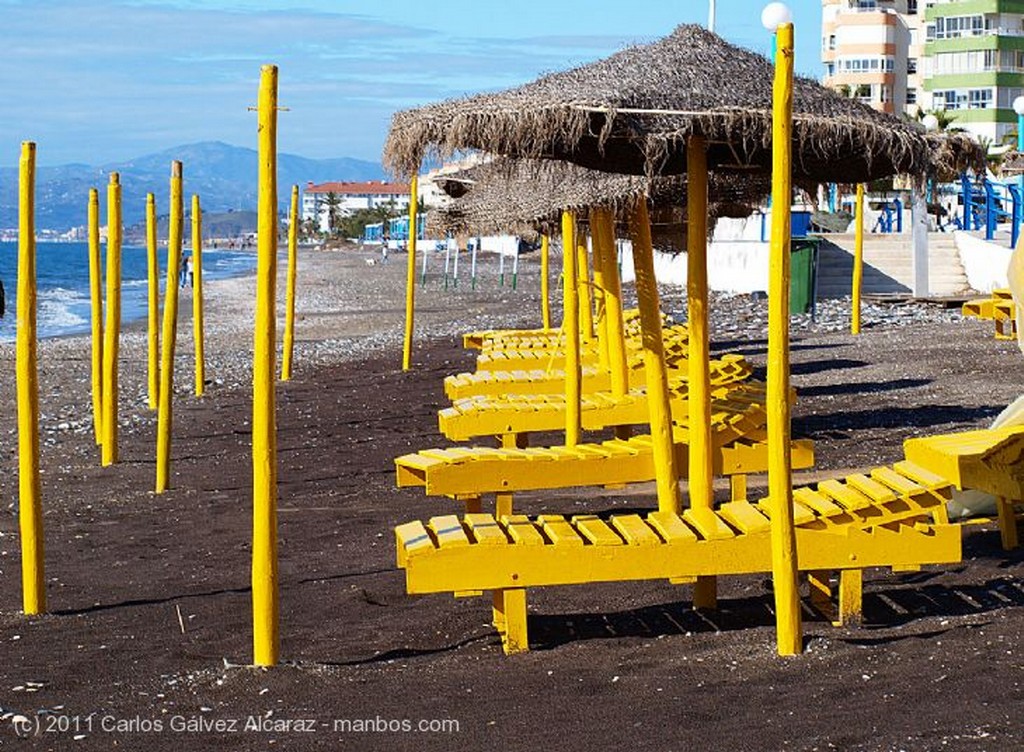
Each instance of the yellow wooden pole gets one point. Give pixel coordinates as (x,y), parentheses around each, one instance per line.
(175,230)
(96,298)
(289,311)
(666,471)
(112,330)
(153,268)
(701,468)
(545,299)
(30,514)
(600,311)
(571,330)
(602,225)
(858,259)
(583,281)
(198,330)
(410,279)
(700,460)
(780,491)
(264,429)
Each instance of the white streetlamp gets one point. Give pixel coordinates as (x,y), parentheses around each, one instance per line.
(774,15)
(1018,107)
(711,16)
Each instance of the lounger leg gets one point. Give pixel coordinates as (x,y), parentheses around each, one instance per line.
(510,619)
(851,598)
(502,505)
(503,501)
(738,487)
(820,585)
(705,593)
(1007,523)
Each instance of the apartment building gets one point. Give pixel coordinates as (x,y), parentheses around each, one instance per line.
(962,56)
(316,199)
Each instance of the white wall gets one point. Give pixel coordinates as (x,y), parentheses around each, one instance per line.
(985,263)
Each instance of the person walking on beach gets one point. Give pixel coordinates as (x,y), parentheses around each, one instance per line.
(185,278)
(384,249)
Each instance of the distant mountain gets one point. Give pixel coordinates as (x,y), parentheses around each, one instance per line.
(224,176)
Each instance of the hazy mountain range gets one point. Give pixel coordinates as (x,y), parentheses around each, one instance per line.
(224,176)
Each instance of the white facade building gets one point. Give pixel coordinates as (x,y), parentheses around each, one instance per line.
(351,197)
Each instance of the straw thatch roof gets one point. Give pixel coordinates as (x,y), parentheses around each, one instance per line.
(523,197)
(632,112)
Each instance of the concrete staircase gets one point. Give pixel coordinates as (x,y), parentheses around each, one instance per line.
(888,265)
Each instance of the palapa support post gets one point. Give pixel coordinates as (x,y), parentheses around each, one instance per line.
(701,462)
(785,574)
(447,260)
(30,513)
(602,224)
(455,265)
(545,291)
(112,329)
(666,471)
(264,436)
(198,333)
(423,273)
(515,268)
(96,301)
(583,281)
(288,349)
(153,318)
(501,269)
(169,337)
(472,265)
(858,260)
(571,330)
(601,315)
(410,279)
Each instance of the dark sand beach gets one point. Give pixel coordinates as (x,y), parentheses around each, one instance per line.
(937,665)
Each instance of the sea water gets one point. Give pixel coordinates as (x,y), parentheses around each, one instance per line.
(62,279)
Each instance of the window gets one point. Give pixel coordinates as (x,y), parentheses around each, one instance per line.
(955,27)
(929,32)
(979,99)
(911,7)
(911,96)
(911,65)
(830,69)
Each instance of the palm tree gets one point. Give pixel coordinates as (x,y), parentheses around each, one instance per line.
(333,204)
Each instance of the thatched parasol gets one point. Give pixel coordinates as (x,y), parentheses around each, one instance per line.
(526,197)
(633,111)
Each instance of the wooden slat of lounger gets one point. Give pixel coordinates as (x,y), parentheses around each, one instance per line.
(635,531)
(744,516)
(816,501)
(448,531)
(801,514)
(522,531)
(899,483)
(671,527)
(596,530)
(411,538)
(848,498)
(485,530)
(877,492)
(559,531)
(708,524)
(921,475)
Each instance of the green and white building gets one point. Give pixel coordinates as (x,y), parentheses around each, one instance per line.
(962,56)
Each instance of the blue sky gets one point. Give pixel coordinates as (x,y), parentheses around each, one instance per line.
(97,82)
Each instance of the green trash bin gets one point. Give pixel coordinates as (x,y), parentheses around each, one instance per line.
(803,274)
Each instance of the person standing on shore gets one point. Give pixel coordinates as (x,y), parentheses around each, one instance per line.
(384,249)
(185,278)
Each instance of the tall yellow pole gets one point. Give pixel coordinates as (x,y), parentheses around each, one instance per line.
(198,333)
(410,279)
(666,471)
(780,491)
(583,281)
(858,259)
(170,333)
(571,330)
(289,311)
(153,268)
(600,311)
(264,429)
(545,299)
(112,330)
(96,298)
(700,461)
(30,515)
(602,223)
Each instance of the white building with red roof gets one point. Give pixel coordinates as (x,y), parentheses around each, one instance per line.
(350,197)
